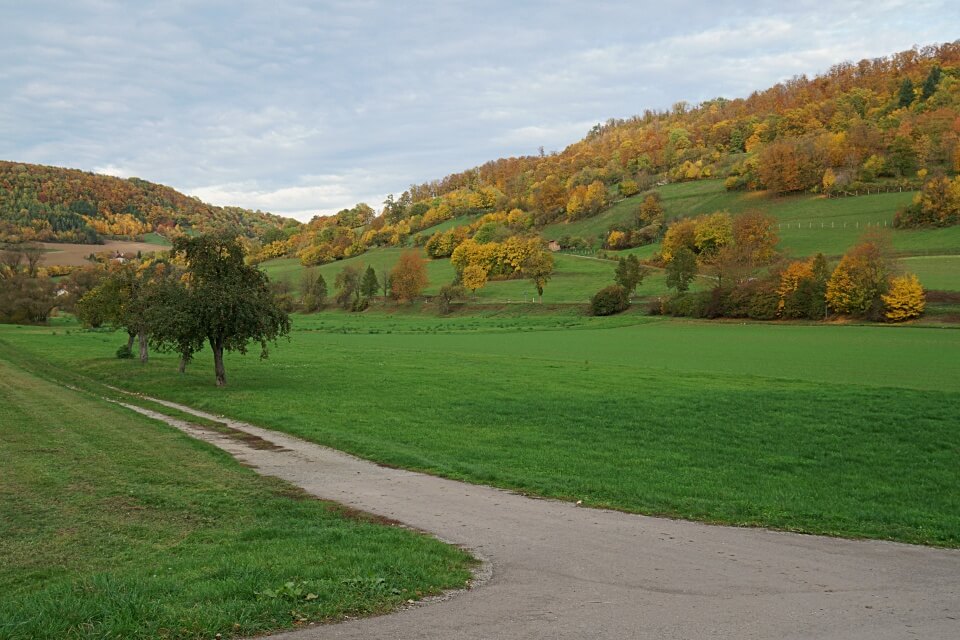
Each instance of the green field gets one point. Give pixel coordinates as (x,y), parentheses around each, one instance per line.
(842,430)
(806,224)
(103,537)
(935,272)
(575,278)
(157,239)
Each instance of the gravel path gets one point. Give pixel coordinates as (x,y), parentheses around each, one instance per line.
(560,571)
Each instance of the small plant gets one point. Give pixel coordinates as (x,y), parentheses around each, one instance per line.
(124,352)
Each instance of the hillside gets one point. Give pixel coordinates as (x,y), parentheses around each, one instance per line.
(41,203)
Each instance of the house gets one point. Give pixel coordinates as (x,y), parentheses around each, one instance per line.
(553,245)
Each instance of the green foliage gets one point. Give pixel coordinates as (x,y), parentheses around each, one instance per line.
(629,273)
(681,270)
(229,302)
(610,300)
(369,285)
(313,291)
(124,352)
(906,96)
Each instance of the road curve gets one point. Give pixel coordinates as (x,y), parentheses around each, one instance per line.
(564,572)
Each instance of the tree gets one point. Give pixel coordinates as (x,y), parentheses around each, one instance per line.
(905,96)
(538,269)
(348,287)
(474,277)
(711,233)
(609,300)
(409,276)
(122,301)
(931,83)
(629,273)
(860,279)
(369,285)
(754,232)
(448,293)
(650,211)
(313,291)
(681,270)
(904,300)
(230,300)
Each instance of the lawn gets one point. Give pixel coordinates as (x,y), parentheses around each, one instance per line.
(841,430)
(115,526)
(935,272)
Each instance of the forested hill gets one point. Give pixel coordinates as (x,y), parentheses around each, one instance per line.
(67,205)
(856,124)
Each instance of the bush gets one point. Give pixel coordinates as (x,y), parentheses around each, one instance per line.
(124,353)
(609,300)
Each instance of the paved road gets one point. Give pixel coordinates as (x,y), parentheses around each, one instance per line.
(560,571)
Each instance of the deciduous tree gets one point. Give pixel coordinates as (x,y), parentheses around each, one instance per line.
(409,276)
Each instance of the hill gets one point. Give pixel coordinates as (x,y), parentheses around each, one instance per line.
(41,203)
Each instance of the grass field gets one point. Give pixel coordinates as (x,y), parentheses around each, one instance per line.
(101,537)
(935,272)
(807,224)
(575,278)
(842,430)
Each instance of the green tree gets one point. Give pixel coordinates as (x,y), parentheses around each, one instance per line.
(931,83)
(348,287)
(905,97)
(681,269)
(122,301)
(629,273)
(313,291)
(230,300)
(369,285)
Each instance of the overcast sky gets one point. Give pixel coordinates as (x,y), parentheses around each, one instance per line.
(308,107)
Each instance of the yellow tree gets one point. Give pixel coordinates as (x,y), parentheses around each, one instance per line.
(905,300)
(408,277)
(474,277)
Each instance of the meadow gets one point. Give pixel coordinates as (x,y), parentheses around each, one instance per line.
(101,537)
(840,430)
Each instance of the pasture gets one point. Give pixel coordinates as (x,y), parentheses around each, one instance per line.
(840,430)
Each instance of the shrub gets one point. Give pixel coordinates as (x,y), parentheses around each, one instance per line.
(124,352)
(609,300)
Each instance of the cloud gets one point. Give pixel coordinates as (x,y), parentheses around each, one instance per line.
(301,108)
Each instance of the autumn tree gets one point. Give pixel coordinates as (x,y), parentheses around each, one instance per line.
(754,232)
(229,299)
(538,269)
(409,276)
(904,300)
(474,277)
(650,210)
(860,279)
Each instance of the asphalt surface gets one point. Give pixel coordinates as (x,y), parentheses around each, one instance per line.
(555,570)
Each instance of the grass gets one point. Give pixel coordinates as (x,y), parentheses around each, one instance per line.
(935,272)
(156,238)
(807,224)
(841,430)
(101,537)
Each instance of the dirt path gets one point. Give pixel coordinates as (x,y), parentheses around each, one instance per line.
(560,571)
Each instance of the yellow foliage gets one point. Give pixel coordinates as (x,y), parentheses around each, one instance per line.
(474,277)
(680,234)
(905,300)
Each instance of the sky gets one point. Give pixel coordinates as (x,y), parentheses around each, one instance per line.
(305,108)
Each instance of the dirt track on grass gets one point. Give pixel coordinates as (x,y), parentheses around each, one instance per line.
(563,572)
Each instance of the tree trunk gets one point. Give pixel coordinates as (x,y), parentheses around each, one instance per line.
(217,347)
(130,337)
(142,337)
(183,364)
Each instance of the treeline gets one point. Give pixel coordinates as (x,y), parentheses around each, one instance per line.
(41,203)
